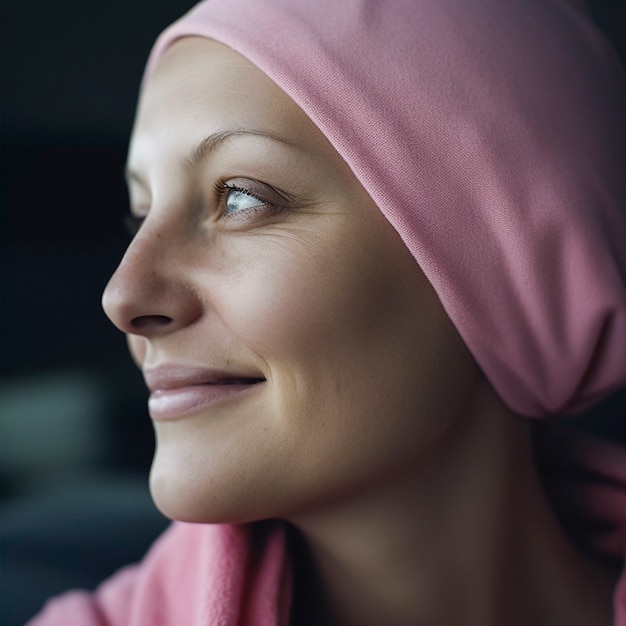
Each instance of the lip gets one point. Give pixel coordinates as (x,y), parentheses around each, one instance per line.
(179,390)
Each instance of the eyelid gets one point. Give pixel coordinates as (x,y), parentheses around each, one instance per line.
(270,200)
(230,187)
(261,191)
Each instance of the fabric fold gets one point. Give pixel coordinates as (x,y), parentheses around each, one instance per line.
(194,575)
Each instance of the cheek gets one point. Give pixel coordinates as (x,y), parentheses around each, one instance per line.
(357,345)
(291,302)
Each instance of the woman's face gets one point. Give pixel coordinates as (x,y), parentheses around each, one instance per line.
(295,352)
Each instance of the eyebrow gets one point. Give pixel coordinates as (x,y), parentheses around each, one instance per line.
(207,146)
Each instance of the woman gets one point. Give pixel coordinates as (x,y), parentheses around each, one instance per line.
(374,238)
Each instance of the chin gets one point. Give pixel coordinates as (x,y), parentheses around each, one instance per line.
(182,498)
(190,494)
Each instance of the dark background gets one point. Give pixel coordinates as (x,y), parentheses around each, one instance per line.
(75,439)
(69,75)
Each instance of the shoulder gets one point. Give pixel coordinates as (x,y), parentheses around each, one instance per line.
(193,574)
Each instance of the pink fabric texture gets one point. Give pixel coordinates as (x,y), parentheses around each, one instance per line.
(194,575)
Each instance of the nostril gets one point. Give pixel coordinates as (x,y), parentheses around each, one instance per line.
(143,321)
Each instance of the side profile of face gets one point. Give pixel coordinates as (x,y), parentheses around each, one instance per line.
(295,352)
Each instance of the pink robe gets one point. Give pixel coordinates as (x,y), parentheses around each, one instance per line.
(194,575)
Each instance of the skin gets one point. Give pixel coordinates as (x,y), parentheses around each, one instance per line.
(373,433)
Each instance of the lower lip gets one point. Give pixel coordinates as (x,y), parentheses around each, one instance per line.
(171,404)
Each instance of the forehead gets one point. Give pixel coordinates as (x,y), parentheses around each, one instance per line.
(201,86)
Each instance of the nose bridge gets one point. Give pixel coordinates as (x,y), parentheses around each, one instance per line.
(148,292)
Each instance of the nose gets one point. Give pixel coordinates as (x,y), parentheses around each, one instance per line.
(148,294)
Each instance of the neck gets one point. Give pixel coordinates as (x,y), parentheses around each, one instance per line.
(468,539)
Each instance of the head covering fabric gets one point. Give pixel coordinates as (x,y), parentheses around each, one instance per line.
(491,135)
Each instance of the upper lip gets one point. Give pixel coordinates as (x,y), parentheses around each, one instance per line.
(171,376)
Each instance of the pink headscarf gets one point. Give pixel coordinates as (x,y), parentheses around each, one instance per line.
(491,135)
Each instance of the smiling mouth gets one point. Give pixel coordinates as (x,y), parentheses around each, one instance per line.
(178,391)
(178,402)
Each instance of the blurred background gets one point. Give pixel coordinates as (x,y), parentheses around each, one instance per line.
(75,439)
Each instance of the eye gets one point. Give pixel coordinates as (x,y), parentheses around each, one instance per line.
(248,199)
(237,200)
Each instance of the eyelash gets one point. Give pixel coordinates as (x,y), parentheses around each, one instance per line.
(222,190)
